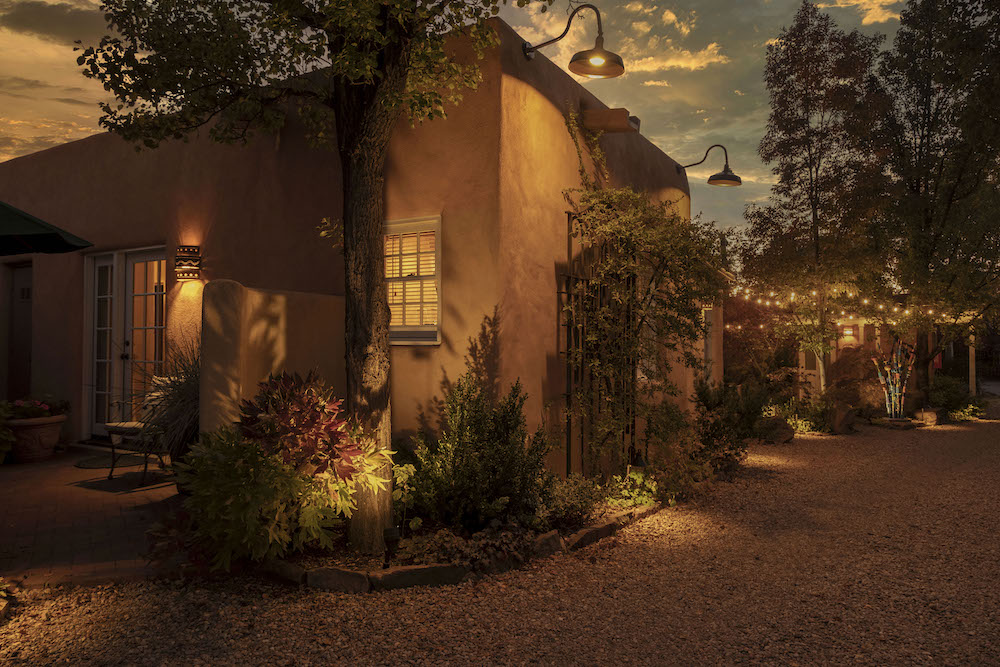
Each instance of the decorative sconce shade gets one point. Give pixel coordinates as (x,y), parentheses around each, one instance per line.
(595,63)
(187,262)
(725,177)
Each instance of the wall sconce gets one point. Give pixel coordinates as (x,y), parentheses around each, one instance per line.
(848,332)
(595,63)
(724,177)
(187,262)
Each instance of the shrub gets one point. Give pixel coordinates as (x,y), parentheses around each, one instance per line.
(803,416)
(249,503)
(300,420)
(283,479)
(570,503)
(631,489)
(484,467)
(172,414)
(948,393)
(725,420)
(970,412)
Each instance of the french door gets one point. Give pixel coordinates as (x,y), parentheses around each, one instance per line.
(128,300)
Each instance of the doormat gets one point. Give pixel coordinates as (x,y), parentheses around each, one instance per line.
(104,461)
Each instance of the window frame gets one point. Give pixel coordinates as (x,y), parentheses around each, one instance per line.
(425,334)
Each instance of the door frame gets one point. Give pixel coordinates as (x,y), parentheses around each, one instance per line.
(119,264)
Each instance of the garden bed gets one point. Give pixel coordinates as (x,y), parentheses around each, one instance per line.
(347,573)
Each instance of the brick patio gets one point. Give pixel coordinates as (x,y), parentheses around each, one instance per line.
(63,524)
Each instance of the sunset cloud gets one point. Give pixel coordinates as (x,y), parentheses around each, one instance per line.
(657,84)
(62,22)
(640,8)
(872,11)
(683,27)
(679,58)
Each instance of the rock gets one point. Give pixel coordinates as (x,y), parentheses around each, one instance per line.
(582,538)
(775,430)
(842,419)
(405,576)
(547,544)
(285,571)
(930,416)
(337,579)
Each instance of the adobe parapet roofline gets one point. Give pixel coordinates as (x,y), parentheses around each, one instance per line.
(554,83)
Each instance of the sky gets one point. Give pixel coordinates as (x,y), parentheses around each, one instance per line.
(694,75)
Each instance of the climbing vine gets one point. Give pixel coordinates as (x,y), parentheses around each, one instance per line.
(635,293)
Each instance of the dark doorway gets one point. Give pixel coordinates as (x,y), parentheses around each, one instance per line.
(19,350)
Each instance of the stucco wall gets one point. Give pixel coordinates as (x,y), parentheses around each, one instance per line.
(253,209)
(538,162)
(248,334)
(449,168)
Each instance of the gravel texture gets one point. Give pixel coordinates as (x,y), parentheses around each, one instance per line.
(881,547)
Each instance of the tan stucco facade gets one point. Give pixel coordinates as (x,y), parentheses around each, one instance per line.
(494,172)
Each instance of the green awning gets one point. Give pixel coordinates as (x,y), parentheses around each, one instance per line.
(21,233)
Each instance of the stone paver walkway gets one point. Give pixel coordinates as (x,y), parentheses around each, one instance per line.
(60,523)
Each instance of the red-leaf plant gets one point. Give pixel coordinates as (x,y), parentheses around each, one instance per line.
(300,420)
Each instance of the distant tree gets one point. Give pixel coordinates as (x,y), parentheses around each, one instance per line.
(349,70)
(940,135)
(806,243)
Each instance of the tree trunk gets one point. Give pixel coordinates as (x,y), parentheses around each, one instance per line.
(367,332)
(924,356)
(367,124)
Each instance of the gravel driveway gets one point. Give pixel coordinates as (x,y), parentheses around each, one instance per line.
(881,547)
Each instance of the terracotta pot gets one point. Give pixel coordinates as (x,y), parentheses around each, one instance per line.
(35,438)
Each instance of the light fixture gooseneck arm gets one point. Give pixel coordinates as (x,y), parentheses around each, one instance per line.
(695,164)
(529,51)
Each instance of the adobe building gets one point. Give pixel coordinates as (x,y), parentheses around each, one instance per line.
(476,220)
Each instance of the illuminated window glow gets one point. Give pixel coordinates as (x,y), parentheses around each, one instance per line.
(412,258)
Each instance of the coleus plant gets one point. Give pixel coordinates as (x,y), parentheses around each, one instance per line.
(300,420)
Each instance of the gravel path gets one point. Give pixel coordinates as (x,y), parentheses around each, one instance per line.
(880,547)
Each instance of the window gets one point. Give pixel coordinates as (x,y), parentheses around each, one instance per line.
(413,280)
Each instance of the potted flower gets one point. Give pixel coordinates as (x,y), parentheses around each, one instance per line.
(34,425)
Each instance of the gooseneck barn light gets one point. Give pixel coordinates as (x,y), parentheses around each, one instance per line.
(724,177)
(595,63)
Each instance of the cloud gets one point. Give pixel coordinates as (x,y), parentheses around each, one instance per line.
(739,92)
(683,27)
(658,84)
(62,22)
(641,27)
(872,11)
(680,58)
(21,137)
(8,83)
(639,8)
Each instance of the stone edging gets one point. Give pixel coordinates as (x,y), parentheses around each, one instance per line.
(443,574)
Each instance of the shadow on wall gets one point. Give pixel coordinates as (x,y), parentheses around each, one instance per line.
(482,360)
(248,334)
